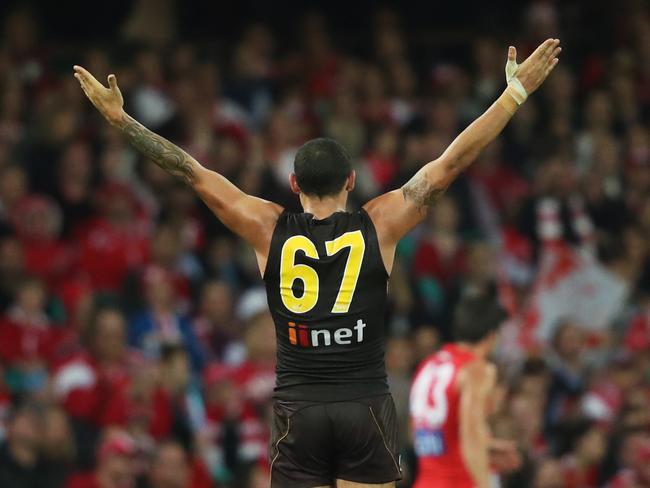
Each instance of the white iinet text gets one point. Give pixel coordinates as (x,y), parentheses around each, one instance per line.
(342,336)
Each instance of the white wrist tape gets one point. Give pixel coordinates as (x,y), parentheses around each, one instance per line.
(517,91)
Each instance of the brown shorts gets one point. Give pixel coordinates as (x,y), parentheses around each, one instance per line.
(313,444)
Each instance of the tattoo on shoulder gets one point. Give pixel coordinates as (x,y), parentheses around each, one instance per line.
(168,156)
(418,190)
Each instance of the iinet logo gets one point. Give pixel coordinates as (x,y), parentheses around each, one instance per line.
(301,335)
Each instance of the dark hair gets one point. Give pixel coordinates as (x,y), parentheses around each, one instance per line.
(534,367)
(321,167)
(475,318)
(99,311)
(171,350)
(23,406)
(29,281)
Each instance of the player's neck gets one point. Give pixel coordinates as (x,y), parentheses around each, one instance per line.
(321,208)
(477,349)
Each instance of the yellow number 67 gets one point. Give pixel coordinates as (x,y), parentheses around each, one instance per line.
(290,271)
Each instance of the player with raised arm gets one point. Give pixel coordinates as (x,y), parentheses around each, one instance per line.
(326,272)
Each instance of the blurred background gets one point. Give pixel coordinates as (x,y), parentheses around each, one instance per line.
(136,348)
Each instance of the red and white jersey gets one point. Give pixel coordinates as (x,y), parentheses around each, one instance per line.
(435,420)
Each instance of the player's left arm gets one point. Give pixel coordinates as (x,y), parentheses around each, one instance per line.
(395,213)
(504,453)
(475,382)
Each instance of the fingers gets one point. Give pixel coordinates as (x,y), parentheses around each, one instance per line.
(545,57)
(551,66)
(84,86)
(86,76)
(82,83)
(544,50)
(541,49)
(553,46)
(82,73)
(512,53)
(112,83)
(556,52)
(552,61)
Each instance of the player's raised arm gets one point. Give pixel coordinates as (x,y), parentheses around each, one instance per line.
(250,217)
(396,212)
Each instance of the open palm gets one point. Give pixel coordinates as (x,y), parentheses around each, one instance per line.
(534,70)
(108,101)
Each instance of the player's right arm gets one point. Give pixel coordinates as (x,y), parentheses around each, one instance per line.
(395,213)
(476,382)
(247,216)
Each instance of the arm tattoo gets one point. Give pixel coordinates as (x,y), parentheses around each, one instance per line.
(418,190)
(168,156)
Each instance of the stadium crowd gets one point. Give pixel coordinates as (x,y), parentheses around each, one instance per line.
(136,347)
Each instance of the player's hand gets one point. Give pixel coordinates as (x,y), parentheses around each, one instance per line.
(526,77)
(504,455)
(108,101)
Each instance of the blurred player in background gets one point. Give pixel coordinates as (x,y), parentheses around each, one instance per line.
(326,272)
(450,402)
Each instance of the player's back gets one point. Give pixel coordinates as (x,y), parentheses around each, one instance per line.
(435,419)
(326,286)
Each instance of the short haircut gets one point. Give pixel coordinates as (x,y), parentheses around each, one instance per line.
(321,167)
(475,318)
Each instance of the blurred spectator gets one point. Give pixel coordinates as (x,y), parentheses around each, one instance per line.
(604,401)
(256,375)
(172,468)
(440,258)
(581,466)
(636,471)
(38,225)
(90,380)
(160,323)
(57,446)
(26,338)
(115,464)
(548,475)
(115,242)
(568,374)
(73,188)
(186,403)
(13,190)
(216,327)
(165,256)
(425,341)
(20,462)
(381,159)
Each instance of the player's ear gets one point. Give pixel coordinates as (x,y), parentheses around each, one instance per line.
(352,179)
(293,184)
